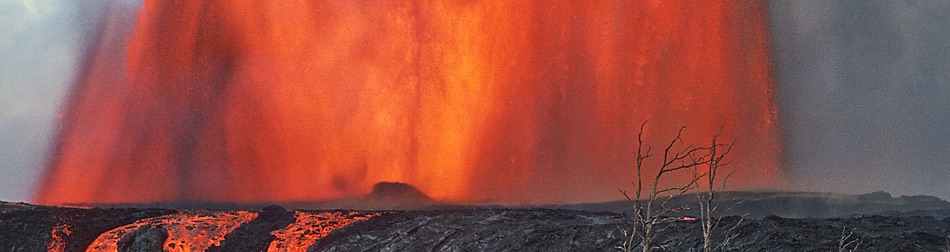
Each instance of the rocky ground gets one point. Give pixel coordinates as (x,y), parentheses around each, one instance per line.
(480,229)
(895,225)
(561,230)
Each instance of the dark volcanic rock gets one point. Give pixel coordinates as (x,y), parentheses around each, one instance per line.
(30,228)
(874,233)
(797,204)
(144,239)
(256,235)
(26,227)
(561,230)
(478,230)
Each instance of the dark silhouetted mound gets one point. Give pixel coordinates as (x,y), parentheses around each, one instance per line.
(394,195)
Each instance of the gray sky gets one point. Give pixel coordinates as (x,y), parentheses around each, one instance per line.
(38,48)
(863,90)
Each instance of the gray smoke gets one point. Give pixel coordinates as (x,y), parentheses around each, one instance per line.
(41,42)
(864,94)
(38,46)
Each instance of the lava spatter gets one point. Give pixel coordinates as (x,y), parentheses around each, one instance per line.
(494,101)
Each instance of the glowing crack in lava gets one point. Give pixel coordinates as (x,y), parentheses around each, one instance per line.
(471,101)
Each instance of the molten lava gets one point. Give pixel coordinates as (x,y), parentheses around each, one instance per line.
(57,240)
(310,227)
(186,231)
(199,231)
(474,101)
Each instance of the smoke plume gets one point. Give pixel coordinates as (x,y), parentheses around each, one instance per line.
(864,92)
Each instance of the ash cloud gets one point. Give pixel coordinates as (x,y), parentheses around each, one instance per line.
(864,94)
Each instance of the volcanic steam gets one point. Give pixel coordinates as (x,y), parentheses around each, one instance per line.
(470,101)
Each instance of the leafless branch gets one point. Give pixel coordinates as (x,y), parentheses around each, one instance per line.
(651,207)
(714,159)
(847,242)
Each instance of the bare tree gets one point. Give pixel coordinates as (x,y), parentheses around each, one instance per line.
(848,243)
(706,197)
(650,208)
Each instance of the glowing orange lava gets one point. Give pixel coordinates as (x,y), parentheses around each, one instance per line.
(61,230)
(474,101)
(186,231)
(310,227)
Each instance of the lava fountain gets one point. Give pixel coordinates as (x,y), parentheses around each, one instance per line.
(471,101)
